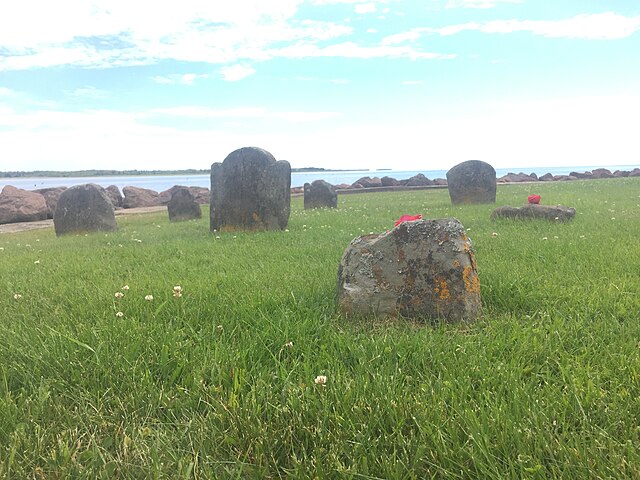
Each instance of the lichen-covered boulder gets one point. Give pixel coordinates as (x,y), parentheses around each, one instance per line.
(420,269)
(17,205)
(532,210)
(135,197)
(472,182)
(319,194)
(183,206)
(250,190)
(84,208)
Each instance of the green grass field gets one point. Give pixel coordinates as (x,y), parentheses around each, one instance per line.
(545,385)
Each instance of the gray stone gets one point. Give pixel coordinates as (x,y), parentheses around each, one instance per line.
(387,181)
(547,177)
(368,182)
(250,190)
(319,194)
(422,268)
(84,208)
(418,180)
(135,197)
(549,212)
(601,173)
(115,196)
(201,194)
(516,178)
(183,206)
(472,182)
(17,205)
(51,196)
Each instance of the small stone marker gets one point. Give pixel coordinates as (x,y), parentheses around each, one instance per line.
(84,208)
(183,206)
(250,190)
(320,194)
(472,182)
(532,210)
(422,268)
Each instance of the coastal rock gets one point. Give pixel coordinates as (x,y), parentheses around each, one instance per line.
(516,178)
(581,175)
(472,182)
(418,180)
(389,182)
(420,269)
(319,194)
(368,182)
(201,194)
(115,196)
(17,205)
(440,181)
(84,208)
(548,212)
(51,196)
(183,206)
(250,190)
(135,197)
(564,178)
(635,172)
(601,173)
(547,177)
(620,174)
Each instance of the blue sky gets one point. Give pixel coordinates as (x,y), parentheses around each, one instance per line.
(123,84)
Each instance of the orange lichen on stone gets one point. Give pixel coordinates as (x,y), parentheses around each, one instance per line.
(471,280)
(442,289)
(255,216)
(456,264)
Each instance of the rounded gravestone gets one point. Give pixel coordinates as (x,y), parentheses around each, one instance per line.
(84,208)
(422,268)
(472,182)
(318,194)
(250,190)
(183,206)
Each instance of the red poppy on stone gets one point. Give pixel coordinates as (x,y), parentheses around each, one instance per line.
(407,218)
(533,199)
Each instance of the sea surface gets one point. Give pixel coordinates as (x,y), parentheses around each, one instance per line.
(160,183)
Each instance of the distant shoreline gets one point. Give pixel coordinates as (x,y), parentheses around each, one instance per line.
(146,173)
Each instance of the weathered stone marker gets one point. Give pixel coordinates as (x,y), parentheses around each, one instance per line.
(532,210)
(423,268)
(183,206)
(250,190)
(472,182)
(320,194)
(84,208)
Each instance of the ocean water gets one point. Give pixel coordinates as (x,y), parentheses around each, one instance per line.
(160,183)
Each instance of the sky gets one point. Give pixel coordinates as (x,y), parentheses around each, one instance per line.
(401,84)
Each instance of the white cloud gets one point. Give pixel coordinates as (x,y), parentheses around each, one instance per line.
(197,112)
(5,92)
(603,26)
(363,8)
(233,73)
(353,50)
(411,35)
(177,78)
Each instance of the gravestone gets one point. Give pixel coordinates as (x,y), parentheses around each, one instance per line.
(472,182)
(183,206)
(17,205)
(250,190)
(422,268)
(318,194)
(532,210)
(84,208)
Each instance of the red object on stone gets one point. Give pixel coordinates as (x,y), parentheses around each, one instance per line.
(534,199)
(407,218)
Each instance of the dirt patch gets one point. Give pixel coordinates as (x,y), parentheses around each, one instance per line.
(26,226)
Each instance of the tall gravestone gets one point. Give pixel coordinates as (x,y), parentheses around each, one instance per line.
(250,190)
(183,206)
(472,182)
(319,194)
(84,208)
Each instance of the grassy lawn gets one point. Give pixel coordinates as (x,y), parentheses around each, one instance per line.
(207,385)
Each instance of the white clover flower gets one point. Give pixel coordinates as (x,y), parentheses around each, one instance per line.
(320,380)
(494,234)
(288,345)
(37,262)
(125,287)
(119,314)
(177,291)
(148,298)
(17,296)
(118,295)
(545,238)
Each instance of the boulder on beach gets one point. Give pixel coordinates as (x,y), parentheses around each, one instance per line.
(17,205)
(418,180)
(387,181)
(51,196)
(183,206)
(84,208)
(420,269)
(368,182)
(135,197)
(250,190)
(113,192)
